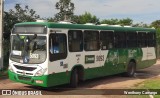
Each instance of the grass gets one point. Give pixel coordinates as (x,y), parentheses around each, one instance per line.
(148,84)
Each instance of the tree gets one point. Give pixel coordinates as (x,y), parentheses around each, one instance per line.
(141,24)
(126,22)
(19,14)
(9,21)
(66,8)
(123,22)
(87,18)
(156,24)
(50,19)
(24,14)
(110,21)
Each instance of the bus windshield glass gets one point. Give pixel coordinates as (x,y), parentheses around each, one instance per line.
(28,49)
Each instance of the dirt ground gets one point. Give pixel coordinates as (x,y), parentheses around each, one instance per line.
(109,82)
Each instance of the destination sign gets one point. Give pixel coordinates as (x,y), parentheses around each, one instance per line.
(29,29)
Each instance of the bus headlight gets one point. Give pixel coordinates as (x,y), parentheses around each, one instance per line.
(40,72)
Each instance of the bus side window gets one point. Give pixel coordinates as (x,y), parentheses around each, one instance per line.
(142,39)
(151,39)
(75,40)
(57,47)
(120,39)
(107,40)
(91,40)
(131,39)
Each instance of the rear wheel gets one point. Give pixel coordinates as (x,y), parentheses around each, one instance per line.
(74,78)
(131,69)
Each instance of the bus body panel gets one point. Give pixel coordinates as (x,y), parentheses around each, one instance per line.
(95,63)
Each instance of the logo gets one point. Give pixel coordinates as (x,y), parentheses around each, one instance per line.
(6,92)
(26,59)
(89,59)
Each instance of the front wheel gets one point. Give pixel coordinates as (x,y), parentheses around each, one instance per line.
(74,78)
(131,69)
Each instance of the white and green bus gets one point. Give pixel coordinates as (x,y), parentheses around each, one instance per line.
(48,54)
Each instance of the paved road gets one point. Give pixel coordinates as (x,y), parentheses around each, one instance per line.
(109,82)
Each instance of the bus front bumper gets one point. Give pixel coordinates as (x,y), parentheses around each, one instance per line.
(36,81)
(43,81)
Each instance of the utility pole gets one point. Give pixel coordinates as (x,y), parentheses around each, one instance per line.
(1,33)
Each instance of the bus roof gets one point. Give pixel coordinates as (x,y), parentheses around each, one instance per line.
(88,27)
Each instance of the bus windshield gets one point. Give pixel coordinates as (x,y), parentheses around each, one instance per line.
(28,49)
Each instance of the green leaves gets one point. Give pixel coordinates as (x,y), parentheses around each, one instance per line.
(123,22)
(87,18)
(66,8)
(17,15)
(156,24)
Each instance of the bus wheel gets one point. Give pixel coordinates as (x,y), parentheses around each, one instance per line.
(131,69)
(74,78)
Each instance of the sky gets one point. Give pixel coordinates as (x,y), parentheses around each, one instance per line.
(145,11)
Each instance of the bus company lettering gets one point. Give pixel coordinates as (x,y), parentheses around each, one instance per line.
(132,53)
(89,59)
(149,54)
(78,57)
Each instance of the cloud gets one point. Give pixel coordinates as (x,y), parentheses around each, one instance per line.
(116,6)
(45,8)
(101,8)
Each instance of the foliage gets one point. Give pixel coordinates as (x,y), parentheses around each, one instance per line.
(126,21)
(158,35)
(18,15)
(9,21)
(87,18)
(110,21)
(66,8)
(141,24)
(156,24)
(24,14)
(50,19)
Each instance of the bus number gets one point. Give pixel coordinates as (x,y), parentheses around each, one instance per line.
(100,58)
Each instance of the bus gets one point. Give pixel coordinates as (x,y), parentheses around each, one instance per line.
(48,54)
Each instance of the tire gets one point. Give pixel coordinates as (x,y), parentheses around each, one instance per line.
(74,79)
(131,69)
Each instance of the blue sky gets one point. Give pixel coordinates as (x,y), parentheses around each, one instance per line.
(145,11)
